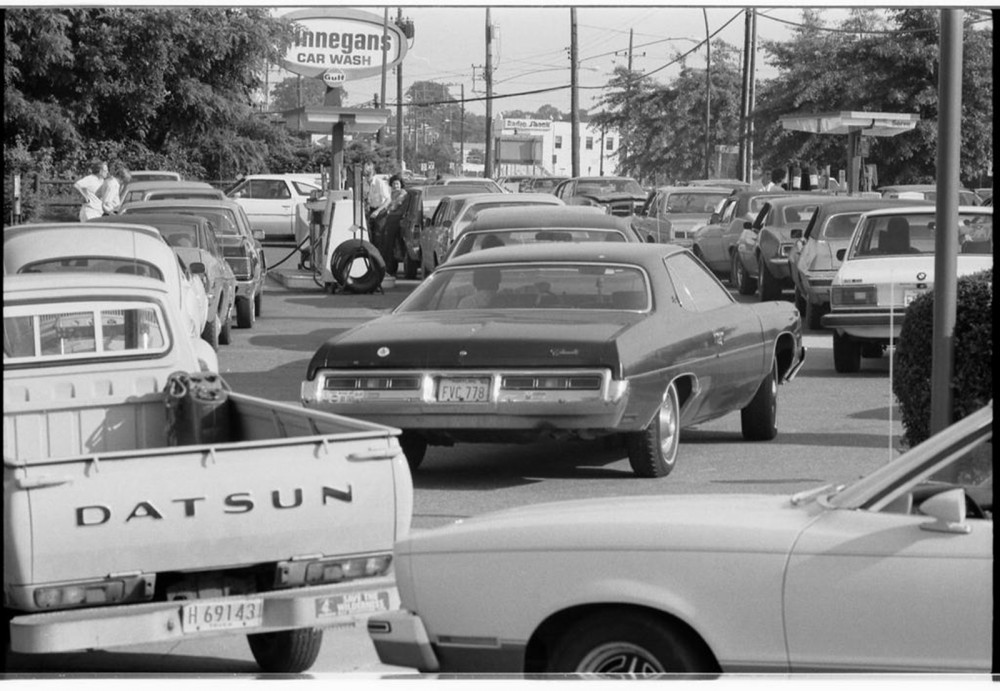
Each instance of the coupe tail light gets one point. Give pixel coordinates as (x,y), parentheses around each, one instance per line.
(241,267)
(552,383)
(785,250)
(853,296)
(372,383)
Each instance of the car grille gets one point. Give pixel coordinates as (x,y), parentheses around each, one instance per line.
(623,208)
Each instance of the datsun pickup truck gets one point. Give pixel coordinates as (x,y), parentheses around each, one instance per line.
(146,502)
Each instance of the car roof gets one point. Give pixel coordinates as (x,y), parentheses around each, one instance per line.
(103,222)
(79,280)
(202,202)
(694,189)
(784,200)
(926,209)
(168,185)
(644,254)
(546,216)
(845,204)
(152,219)
(508,198)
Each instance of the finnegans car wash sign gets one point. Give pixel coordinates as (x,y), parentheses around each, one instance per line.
(347,41)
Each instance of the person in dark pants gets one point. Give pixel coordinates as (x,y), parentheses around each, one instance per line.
(389,217)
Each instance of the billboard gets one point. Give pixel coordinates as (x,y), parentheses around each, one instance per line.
(342,42)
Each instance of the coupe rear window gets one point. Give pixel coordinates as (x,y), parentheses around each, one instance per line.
(694,202)
(470,242)
(112,265)
(43,332)
(909,234)
(588,286)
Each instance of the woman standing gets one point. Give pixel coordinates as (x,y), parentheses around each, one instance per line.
(90,187)
(393,211)
(111,192)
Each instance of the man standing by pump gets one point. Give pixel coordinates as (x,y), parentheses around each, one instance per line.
(376,193)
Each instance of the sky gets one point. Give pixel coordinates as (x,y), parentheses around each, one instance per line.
(531,47)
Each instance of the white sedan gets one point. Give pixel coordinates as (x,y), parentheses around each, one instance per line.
(889,263)
(890,573)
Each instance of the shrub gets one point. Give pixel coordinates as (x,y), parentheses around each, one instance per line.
(972,372)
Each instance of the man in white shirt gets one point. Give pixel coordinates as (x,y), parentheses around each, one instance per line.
(777,180)
(90,187)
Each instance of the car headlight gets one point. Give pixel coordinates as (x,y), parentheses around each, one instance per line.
(853,296)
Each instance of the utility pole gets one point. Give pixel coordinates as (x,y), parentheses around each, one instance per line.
(574,96)
(744,99)
(461,136)
(399,102)
(488,167)
(708,96)
(623,135)
(752,91)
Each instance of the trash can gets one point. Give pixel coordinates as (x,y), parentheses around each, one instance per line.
(198,409)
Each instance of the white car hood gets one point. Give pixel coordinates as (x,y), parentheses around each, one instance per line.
(732,522)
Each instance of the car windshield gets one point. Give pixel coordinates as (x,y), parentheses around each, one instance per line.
(799,213)
(841,226)
(473,210)
(582,286)
(472,241)
(694,202)
(223,220)
(913,233)
(615,186)
(178,235)
(108,265)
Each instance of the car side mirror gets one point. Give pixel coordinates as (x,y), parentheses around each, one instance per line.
(258,234)
(796,233)
(949,509)
(841,254)
(196,268)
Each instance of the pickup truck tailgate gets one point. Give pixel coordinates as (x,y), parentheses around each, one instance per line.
(204,507)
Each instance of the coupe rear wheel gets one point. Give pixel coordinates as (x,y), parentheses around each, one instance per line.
(738,276)
(846,354)
(635,644)
(286,652)
(759,420)
(767,285)
(244,313)
(653,451)
(414,448)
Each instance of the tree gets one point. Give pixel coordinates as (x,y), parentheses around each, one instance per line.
(291,93)
(882,64)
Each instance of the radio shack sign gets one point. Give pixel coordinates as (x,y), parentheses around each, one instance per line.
(342,41)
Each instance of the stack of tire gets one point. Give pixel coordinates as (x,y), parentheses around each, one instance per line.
(345,263)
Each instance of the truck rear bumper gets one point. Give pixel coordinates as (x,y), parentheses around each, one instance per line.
(341,604)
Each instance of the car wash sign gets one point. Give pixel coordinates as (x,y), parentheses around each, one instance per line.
(345,42)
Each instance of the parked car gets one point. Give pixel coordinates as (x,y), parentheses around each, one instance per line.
(240,246)
(523,225)
(619,196)
(763,247)
(193,239)
(812,260)
(273,202)
(411,226)
(513,183)
(136,176)
(561,340)
(892,572)
(541,184)
(460,210)
(484,184)
(431,196)
(671,214)
(965,197)
(110,247)
(888,264)
(168,189)
(715,244)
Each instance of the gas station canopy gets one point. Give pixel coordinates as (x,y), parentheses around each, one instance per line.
(848,121)
(321,119)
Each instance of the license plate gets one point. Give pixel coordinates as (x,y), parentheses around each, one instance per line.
(464,390)
(217,616)
(352,604)
(911,295)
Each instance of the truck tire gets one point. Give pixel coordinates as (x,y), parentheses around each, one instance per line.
(767,285)
(343,260)
(244,313)
(225,333)
(759,420)
(414,448)
(210,334)
(738,276)
(846,354)
(652,452)
(286,652)
(410,267)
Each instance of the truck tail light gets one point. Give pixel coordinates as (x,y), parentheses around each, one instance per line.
(320,570)
(853,296)
(96,593)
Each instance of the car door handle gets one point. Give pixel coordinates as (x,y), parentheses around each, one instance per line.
(719,337)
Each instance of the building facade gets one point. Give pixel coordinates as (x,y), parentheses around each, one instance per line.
(528,146)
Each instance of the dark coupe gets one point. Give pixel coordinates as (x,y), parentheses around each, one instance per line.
(558,340)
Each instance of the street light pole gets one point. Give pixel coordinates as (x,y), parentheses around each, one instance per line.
(708,95)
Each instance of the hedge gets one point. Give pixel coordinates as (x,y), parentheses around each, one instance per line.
(972,373)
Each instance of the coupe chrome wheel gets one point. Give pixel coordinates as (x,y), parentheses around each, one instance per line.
(620,657)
